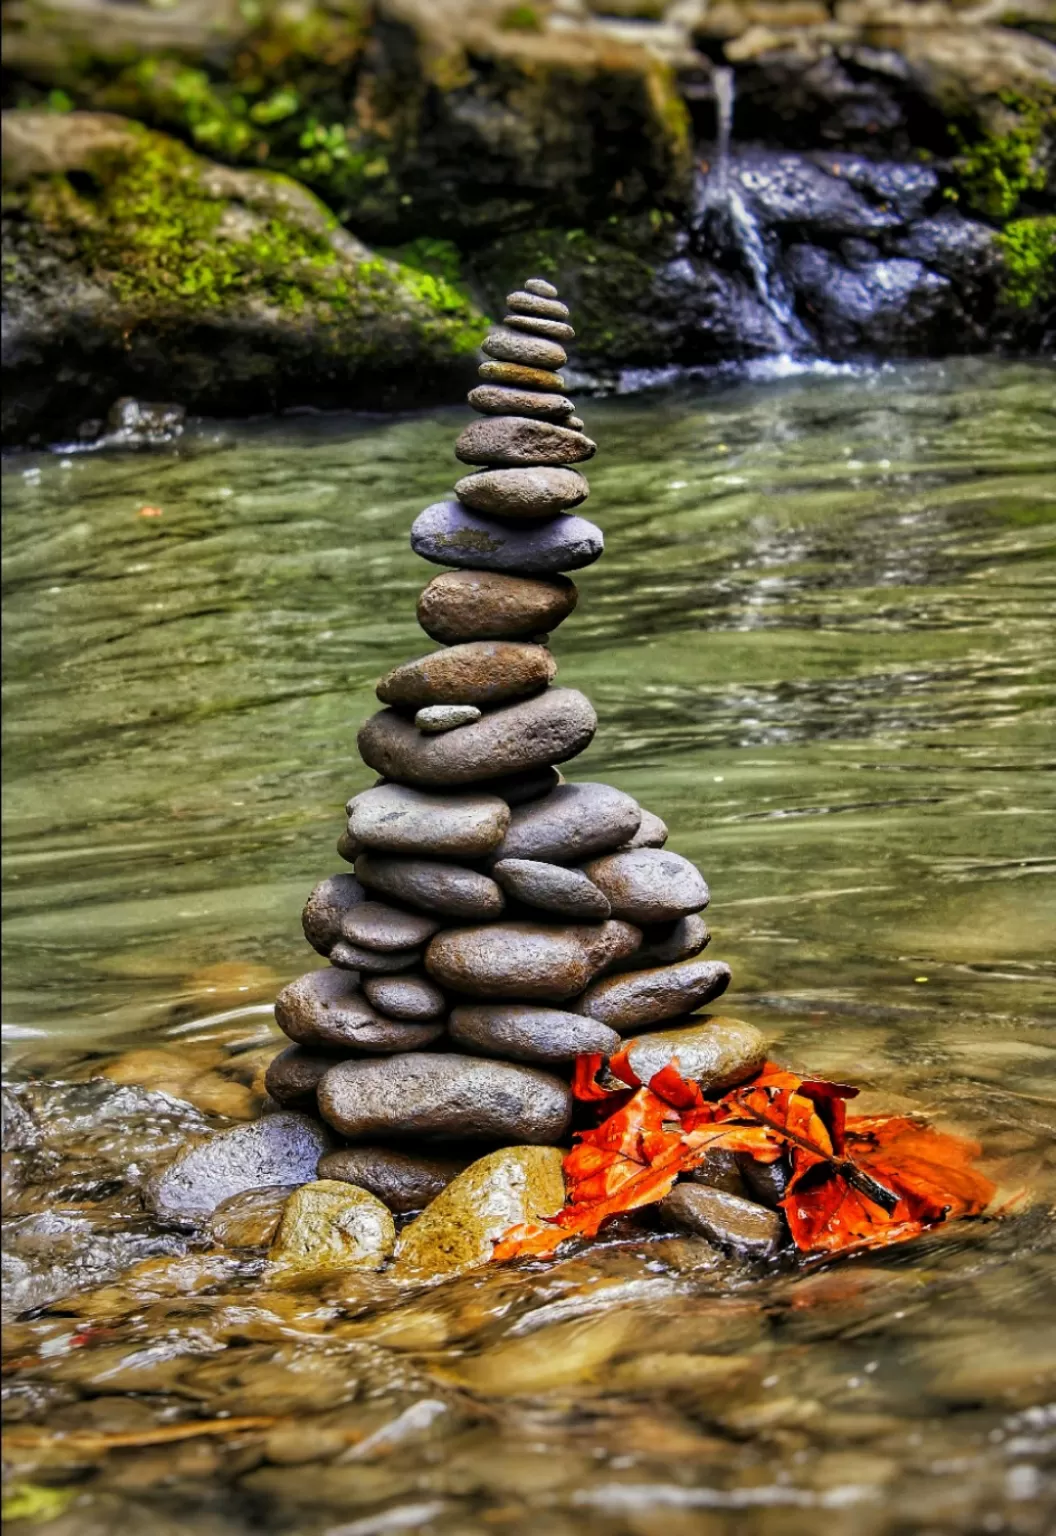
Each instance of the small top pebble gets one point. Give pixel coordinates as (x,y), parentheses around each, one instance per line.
(540,286)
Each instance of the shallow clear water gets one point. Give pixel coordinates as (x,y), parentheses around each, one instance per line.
(821,647)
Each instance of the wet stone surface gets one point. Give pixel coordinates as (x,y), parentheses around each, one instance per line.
(278,1149)
(572,823)
(715,1052)
(487,605)
(523,493)
(396,819)
(446,889)
(484,672)
(444,1097)
(527,1032)
(639,999)
(650,885)
(738,1224)
(328,1009)
(404,1181)
(547,961)
(448,533)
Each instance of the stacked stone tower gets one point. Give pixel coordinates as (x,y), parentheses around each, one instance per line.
(500,921)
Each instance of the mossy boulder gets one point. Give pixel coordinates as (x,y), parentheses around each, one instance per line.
(134,266)
(410,117)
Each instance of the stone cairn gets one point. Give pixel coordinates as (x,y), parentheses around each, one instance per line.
(500,921)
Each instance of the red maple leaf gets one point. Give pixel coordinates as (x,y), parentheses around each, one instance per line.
(858,1182)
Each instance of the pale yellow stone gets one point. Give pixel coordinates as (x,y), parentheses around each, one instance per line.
(329,1225)
(563,1355)
(459,1229)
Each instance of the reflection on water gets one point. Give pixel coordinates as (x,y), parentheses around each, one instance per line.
(820,645)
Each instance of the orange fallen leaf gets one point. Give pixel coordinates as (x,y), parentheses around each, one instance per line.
(859,1182)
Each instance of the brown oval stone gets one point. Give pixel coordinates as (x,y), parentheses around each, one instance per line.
(523,378)
(356,957)
(486,605)
(526,960)
(552,888)
(511,346)
(414,999)
(501,400)
(638,999)
(508,441)
(395,819)
(432,885)
(378,926)
(667,943)
(547,729)
(293,1076)
(528,1032)
(571,823)
(652,833)
(714,1052)
(447,1097)
(326,1008)
(724,1218)
(326,909)
(405,1181)
(483,672)
(541,491)
(649,885)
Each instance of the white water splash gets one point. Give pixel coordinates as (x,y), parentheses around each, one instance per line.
(719,194)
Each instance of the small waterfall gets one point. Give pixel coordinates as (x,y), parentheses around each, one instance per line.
(723,208)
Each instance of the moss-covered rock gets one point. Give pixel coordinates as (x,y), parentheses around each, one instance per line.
(409,117)
(133,266)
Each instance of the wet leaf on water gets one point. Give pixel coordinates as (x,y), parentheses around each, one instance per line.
(858,1182)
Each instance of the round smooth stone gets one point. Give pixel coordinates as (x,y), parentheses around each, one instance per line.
(575,424)
(394,819)
(413,999)
(447,533)
(349,847)
(574,822)
(521,378)
(524,302)
(445,888)
(326,908)
(551,887)
(540,286)
(293,1076)
(404,1181)
(716,1053)
(480,672)
(327,1009)
(435,719)
(501,400)
(547,729)
(651,833)
(508,441)
(725,1219)
(510,346)
(378,926)
(525,1032)
(535,325)
(447,1097)
(526,960)
(485,605)
(356,957)
(639,999)
(541,491)
(667,943)
(648,885)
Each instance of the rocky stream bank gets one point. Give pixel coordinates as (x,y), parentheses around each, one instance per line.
(249,208)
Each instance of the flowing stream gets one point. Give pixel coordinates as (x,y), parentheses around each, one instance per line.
(821,647)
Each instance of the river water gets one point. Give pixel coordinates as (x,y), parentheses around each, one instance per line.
(820,645)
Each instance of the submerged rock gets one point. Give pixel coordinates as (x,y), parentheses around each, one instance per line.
(724,1218)
(331,1225)
(282,1148)
(460,1228)
(249,1220)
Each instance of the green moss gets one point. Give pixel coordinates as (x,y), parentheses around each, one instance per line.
(1028,248)
(995,172)
(521,18)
